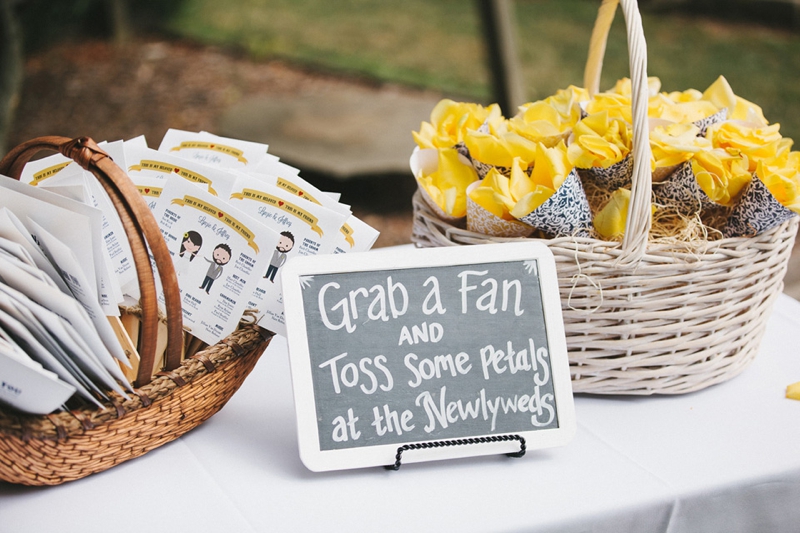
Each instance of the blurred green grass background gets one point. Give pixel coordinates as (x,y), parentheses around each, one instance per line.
(438,45)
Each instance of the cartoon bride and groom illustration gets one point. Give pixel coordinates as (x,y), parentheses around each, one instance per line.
(192,242)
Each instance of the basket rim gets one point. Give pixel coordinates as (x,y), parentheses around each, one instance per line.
(62,425)
(690,251)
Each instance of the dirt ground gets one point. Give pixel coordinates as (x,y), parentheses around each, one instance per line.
(105,92)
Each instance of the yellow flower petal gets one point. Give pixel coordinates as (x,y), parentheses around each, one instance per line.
(610,221)
(520,183)
(686,112)
(675,143)
(532,201)
(551,166)
(498,182)
(793,391)
(748,112)
(451,120)
(520,147)
(720,94)
(756,142)
(488,148)
(782,179)
(520,194)
(616,105)
(565,103)
(494,195)
(537,131)
(447,186)
(623,86)
(599,141)
(689,95)
(721,175)
(425,137)
(488,199)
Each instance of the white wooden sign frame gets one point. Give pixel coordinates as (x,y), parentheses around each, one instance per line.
(405,258)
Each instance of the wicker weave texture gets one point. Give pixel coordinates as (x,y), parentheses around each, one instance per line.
(679,320)
(68,446)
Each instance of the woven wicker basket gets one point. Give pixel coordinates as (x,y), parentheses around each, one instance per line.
(643,317)
(52,449)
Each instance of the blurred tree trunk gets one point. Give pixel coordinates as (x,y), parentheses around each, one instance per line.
(120,21)
(499,36)
(10,68)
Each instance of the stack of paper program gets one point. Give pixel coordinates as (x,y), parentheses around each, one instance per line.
(231,214)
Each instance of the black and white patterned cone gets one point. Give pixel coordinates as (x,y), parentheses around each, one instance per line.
(610,178)
(564,214)
(704,123)
(756,212)
(680,192)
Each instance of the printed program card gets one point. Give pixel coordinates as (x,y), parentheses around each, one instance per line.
(305,228)
(355,235)
(213,150)
(219,254)
(144,162)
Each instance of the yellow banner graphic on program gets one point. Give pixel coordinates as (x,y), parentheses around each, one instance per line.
(223,217)
(283,205)
(160,166)
(155,192)
(48,172)
(214,147)
(295,190)
(347,231)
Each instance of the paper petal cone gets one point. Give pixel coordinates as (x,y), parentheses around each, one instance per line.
(610,178)
(680,192)
(423,162)
(482,221)
(438,211)
(755,212)
(564,214)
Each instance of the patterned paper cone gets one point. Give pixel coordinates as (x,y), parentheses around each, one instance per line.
(481,168)
(755,212)
(564,214)
(704,123)
(610,178)
(680,192)
(482,221)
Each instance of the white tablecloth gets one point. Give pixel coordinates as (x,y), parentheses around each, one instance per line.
(724,459)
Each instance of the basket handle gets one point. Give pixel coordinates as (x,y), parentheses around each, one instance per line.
(637,227)
(142,232)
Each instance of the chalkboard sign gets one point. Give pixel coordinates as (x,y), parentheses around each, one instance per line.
(403,346)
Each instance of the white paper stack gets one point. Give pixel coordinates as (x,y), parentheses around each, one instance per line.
(231,214)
